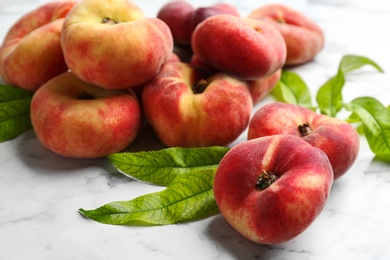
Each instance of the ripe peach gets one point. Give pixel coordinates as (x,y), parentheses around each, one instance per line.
(337,138)
(31,53)
(304,38)
(186,109)
(75,119)
(243,47)
(112,44)
(271,189)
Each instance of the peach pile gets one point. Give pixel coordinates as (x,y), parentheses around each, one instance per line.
(192,73)
(101,70)
(81,60)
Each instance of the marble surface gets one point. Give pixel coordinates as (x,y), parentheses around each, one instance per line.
(41,192)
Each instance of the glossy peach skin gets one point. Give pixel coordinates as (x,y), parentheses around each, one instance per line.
(79,120)
(31,53)
(286,208)
(337,138)
(304,38)
(183,114)
(112,44)
(245,48)
(261,87)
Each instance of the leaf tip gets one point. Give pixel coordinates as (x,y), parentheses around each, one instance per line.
(82,211)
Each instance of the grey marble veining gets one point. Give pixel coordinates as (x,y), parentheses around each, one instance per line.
(40,192)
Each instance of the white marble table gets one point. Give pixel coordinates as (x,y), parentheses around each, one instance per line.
(40,192)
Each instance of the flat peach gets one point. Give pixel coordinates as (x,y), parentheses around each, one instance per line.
(79,120)
(112,44)
(187,109)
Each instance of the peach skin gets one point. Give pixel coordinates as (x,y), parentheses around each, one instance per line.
(304,38)
(337,138)
(79,120)
(31,53)
(187,109)
(112,44)
(245,48)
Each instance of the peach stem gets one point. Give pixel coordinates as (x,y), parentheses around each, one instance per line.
(265,180)
(108,20)
(200,86)
(304,129)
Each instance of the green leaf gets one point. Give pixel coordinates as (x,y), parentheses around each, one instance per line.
(357,122)
(14,112)
(329,96)
(9,93)
(353,62)
(162,166)
(292,89)
(188,197)
(382,158)
(354,118)
(376,123)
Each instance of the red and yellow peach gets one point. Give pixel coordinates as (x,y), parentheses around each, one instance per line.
(271,189)
(187,109)
(31,53)
(112,44)
(75,119)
